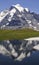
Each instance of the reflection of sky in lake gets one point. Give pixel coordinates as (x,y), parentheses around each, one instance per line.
(32,60)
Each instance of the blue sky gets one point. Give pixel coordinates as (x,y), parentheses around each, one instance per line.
(33,5)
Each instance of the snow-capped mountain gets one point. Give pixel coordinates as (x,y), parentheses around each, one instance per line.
(18,17)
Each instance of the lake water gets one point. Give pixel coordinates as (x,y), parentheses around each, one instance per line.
(33,59)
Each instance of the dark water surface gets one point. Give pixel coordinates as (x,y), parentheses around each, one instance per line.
(32,60)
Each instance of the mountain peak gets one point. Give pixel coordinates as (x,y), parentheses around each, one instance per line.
(19,7)
(27,9)
(19,17)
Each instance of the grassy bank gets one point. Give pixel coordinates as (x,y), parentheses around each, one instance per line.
(18,34)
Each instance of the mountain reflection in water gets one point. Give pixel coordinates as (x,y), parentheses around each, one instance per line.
(20,46)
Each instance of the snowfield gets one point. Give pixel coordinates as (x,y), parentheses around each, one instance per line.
(33,38)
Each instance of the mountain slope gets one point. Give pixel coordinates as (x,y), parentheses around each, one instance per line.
(18,17)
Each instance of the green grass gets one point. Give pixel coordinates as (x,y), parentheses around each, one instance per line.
(18,34)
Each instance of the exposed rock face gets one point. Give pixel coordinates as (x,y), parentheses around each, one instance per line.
(18,17)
